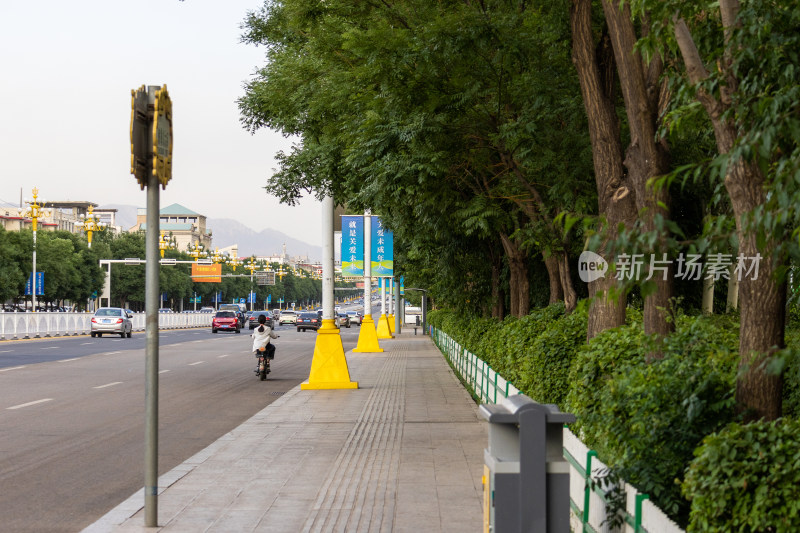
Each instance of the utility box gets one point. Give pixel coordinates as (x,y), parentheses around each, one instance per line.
(526,478)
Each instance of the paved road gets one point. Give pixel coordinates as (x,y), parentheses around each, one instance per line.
(72,427)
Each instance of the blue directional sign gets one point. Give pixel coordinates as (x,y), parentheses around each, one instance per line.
(269,299)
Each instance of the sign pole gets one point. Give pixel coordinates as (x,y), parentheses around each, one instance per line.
(151,164)
(152,296)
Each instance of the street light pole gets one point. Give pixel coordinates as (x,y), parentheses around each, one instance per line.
(35,211)
(90,223)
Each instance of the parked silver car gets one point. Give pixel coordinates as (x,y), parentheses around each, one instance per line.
(112,320)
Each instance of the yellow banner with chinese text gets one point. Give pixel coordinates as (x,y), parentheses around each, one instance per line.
(206,273)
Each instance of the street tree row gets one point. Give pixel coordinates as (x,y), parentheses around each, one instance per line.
(499,139)
(73,274)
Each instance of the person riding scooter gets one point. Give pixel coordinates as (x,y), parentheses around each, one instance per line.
(261,340)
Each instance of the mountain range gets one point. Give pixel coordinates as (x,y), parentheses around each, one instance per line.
(227,232)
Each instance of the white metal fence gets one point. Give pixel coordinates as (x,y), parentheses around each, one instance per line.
(588,504)
(32,325)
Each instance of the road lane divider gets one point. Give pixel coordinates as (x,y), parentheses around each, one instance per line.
(161,372)
(223,355)
(12,368)
(20,406)
(108,385)
(196,363)
(67,360)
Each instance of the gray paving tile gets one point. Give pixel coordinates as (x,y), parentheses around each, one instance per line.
(402,453)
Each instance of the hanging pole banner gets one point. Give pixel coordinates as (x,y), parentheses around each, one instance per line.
(352,246)
(382,250)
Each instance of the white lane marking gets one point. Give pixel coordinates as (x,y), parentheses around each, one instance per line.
(225,355)
(196,363)
(108,385)
(12,368)
(199,341)
(163,371)
(67,360)
(85,343)
(20,406)
(112,353)
(48,348)
(4,351)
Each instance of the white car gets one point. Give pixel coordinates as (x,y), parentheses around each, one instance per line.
(287,317)
(355,317)
(111,320)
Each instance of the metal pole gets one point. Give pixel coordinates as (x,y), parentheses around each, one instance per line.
(33,287)
(398,322)
(367,263)
(328,303)
(424,312)
(152,294)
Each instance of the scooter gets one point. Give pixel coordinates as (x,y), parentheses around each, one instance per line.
(264,355)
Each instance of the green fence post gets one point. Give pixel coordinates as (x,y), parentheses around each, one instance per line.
(587,489)
(495,386)
(637,517)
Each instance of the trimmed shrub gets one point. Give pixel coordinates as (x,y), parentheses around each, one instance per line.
(545,369)
(746,478)
(505,348)
(647,419)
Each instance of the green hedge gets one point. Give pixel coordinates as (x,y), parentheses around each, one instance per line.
(747,478)
(644,419)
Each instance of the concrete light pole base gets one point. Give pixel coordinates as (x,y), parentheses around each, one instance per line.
(384,331)
(329,366)
(368,337)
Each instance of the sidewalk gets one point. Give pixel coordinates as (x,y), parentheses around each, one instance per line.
(402,453)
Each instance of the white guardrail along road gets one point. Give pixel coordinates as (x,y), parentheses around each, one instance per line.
(32,325)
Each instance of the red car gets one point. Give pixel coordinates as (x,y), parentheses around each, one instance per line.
(226,321)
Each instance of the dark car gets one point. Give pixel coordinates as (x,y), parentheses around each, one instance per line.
(308,321)
(252,319)
(225,321)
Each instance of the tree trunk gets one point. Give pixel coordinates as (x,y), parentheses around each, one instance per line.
(497,293)
(570,297)
(645,158)
(554,277)
(615,198)
(708,295)
(519,284)
(762,300)
(733,292)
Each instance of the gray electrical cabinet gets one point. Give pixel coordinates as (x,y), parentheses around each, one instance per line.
(526,478)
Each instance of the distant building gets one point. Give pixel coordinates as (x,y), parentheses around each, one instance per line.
(63,216)
(185,225)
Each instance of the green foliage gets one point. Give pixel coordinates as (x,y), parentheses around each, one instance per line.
(12,277)
(506,348)
(455,121)
(545,370)
(645,419)
(746,478)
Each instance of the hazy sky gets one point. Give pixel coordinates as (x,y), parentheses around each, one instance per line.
(67,70)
